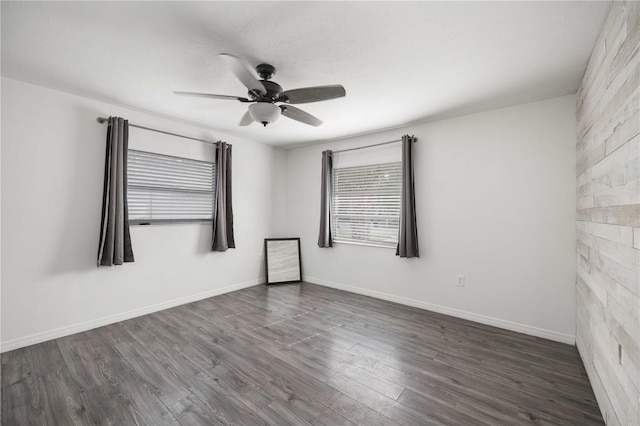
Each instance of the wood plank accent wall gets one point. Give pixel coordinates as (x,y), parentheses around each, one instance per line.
(608,227)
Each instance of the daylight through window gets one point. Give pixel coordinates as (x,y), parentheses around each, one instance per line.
(366,204)
(163,188)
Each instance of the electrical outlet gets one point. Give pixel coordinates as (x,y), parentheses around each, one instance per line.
(460,281)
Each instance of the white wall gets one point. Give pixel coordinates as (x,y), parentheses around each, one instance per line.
(52,172)
(496,202)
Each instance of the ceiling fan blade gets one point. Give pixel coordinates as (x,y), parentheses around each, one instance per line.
(246,119)
(210,95)
(299,115)
(243,72)
(312,94)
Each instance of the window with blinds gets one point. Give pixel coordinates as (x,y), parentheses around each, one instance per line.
(366,204)
(163,188)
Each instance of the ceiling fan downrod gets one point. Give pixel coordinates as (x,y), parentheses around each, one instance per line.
(266,71)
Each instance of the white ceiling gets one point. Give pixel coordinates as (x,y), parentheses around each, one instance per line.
(400,62)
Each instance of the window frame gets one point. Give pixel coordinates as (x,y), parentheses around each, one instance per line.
(165,221)
(335,216)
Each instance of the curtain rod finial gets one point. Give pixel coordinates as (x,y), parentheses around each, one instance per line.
(102,120)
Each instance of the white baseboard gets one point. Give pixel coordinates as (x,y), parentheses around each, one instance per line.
(88,325)
(483,319)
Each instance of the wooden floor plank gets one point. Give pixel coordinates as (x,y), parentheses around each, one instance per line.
(360,413)
(296,354)
(277,414)
(386,406)
(192,411)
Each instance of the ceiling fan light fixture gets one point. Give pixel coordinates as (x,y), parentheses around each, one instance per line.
(263,112)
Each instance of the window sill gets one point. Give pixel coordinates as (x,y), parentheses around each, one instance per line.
(155,222)
(353,243)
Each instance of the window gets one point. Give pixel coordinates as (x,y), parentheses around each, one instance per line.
(163,188)
(366,204)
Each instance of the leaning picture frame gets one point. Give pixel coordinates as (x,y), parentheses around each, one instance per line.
(282,260)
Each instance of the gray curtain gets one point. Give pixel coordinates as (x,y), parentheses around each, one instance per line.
(325,239)
(408,232)
(115,241)
(223,238)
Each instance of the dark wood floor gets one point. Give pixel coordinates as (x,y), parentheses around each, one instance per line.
(296,354)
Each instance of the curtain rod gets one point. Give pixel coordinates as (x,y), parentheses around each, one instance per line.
(103,120)
(371,146)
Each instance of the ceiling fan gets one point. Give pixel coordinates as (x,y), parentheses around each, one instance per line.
(264,94)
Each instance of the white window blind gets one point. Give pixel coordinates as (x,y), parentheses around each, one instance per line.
(366,204)
(166,188)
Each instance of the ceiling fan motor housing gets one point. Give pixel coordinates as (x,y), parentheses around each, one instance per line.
(273,92)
